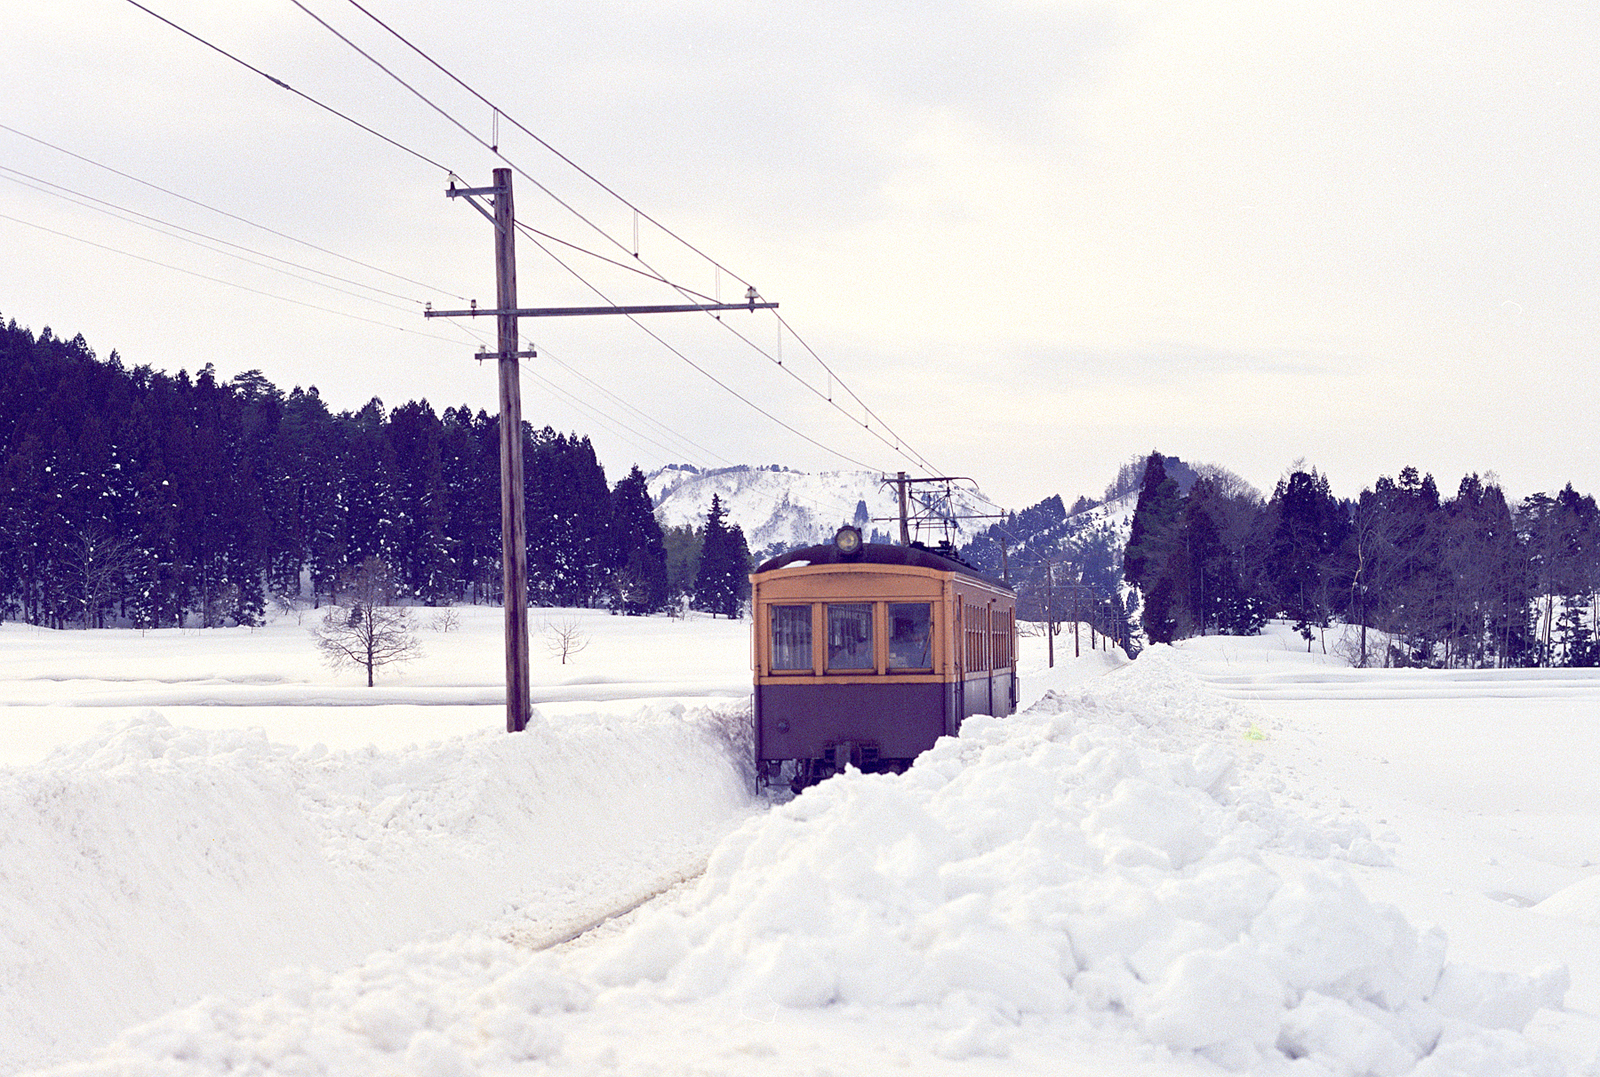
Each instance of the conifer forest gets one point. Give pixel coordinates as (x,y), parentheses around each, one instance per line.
(134,497)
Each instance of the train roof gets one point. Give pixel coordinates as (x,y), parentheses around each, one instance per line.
(877,553)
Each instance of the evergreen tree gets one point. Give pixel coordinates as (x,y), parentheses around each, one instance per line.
(721,582)
(1147,560)
(313,444)
(1150,533)
(640,582)
(367,478)
(1308,527)
(571,552)
(682,545)
(738,569)
(422,505)
(470,468)
(1578,645)
(1484,571)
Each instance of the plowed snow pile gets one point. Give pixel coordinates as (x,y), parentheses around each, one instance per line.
(153,864)
(1105,883)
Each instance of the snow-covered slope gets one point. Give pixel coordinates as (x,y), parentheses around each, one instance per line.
(778,508)
(244,810)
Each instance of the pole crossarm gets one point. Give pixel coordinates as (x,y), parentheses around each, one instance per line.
(895,519)
(471,194)
(481,355)
(513,507)
(567,312)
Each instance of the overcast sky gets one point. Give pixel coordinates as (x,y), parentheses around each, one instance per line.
(1035,238)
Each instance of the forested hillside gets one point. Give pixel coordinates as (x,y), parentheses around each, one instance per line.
(129,496)
(1470,580)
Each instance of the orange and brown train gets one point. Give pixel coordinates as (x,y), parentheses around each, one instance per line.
(865,654)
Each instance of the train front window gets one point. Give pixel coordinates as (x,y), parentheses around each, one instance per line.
(850,635)
(910,636)
(791,637)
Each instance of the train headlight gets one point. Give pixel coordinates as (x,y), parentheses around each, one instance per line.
(847,540)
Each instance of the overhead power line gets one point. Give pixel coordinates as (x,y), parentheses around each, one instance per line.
(161,227)
(696,366)
(585,173)
(641,414)
(224,213)
(895,442)
(622,430)
(222,281)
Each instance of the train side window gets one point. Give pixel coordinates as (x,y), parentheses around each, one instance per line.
(850,636)
(910,636)
(791,638)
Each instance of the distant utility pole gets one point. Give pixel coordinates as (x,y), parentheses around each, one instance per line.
(1050,609)
(513,524)
(905,523)
(928,509)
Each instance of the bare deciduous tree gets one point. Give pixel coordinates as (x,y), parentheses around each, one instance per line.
(98,561)
(564,638)
(369,632)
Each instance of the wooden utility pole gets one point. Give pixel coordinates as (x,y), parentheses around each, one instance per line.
(1076,651)
(905,523)
(513,510)
(1050,609)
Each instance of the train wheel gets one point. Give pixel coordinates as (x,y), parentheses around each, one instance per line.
(810,772)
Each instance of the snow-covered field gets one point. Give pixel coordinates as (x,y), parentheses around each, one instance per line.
(217,856)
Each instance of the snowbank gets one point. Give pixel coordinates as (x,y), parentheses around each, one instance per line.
(151,865)
(1104,877)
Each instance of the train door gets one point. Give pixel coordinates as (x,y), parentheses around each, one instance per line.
(959,663)
(990,658)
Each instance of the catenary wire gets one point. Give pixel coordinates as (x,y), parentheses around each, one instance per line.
(544,353)
(696,366)
(896,441)
(495,150)
(644,415)
(540,186)
(279,82)
(474,136)
(914,455)
(621,429)
(563,157)
(645,272)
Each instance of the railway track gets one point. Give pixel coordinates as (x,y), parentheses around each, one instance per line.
(603,917)
(592,925)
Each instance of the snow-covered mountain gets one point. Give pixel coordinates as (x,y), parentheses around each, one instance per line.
(1092,537)
(779,509)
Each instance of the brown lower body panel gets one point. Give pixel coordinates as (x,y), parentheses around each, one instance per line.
(801,721)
